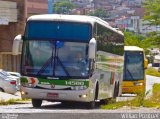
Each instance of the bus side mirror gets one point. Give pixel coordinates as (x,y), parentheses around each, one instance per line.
(92,48)
(145,63)
(17,45)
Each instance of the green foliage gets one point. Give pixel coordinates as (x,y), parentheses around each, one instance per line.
(156,93)
(152,10)
(153,72)
(13,101)
(112,104)
(132,39)
(138,101)
(63,7)
(154,38)
(154,100)
(99,13)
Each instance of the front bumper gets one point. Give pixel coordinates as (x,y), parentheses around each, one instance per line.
(133,90)
(61,95)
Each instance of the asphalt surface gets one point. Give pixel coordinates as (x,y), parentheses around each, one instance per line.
(59,111)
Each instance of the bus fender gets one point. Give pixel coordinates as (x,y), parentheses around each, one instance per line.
(96,90)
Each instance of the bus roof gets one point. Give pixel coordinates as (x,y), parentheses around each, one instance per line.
(74,18)
(132,48)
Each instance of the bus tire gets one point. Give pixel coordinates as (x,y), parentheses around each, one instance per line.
(36,103)
(1,90)
(105,101)
(116,91)
(92,104)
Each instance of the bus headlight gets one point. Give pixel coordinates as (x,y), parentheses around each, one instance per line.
(83,96)
(138,84)
(22,93)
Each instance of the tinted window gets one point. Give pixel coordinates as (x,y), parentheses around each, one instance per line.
(58,30)
(108,40)
(134,66)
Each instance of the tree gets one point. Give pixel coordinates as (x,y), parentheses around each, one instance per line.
(99,13)
(152,10)
(152,14)
(63,7)
(136,40)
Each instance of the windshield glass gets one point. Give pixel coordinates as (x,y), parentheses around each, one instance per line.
(70,31)
(134,66)
(55,58)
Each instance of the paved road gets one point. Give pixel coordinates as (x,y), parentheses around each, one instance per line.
(60,111)
(150,80)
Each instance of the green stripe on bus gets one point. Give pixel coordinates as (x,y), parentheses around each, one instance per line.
(68,82)
(24,80)
(64,82)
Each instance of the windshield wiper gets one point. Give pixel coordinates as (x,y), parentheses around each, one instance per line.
(130,74)
(50,60)
(65,70)
(45,65)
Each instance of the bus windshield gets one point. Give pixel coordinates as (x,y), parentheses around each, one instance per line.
(134,69)
(49,58)
(49,30)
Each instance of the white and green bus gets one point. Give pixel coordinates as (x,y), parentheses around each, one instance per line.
(49,67)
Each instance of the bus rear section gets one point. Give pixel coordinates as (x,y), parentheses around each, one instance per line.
(134,80)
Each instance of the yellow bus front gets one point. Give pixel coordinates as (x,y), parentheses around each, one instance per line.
(133,87)
(134,70)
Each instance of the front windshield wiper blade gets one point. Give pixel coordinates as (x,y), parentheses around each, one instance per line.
(45,65)
(67,73)
(50,60)
(130,74)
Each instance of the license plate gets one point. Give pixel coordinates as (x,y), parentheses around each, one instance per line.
(52,95)
(125,89)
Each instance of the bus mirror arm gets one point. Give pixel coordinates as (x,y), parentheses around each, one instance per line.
(23,37)
(92,49)
(91,72)
(92,67)
(17,45)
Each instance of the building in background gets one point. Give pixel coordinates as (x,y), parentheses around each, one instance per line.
(13,15)
(33,7)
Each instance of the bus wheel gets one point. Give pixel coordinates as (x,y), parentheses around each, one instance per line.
(105,101)
(1,90)
(91,105)
(116,91)
(36,102)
